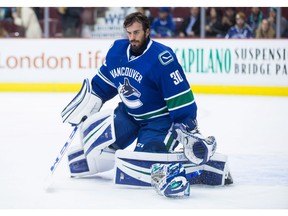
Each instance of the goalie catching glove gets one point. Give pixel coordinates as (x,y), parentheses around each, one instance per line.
(170,180)
(197,148)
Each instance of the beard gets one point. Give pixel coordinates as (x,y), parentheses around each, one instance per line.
(138,46)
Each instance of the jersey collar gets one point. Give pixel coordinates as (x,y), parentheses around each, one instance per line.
(130,57)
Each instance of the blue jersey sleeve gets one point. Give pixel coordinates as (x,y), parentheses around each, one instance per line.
(101,82)
(102,85)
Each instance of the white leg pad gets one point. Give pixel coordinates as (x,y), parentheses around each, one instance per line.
(94,155)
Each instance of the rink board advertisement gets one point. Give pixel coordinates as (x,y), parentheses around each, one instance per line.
(211,65)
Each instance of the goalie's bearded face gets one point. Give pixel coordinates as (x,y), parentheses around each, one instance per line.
(137,36)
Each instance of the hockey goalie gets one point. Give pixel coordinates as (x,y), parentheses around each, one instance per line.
(157,112)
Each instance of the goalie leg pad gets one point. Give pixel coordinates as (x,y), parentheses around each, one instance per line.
(216,171)
(77,162)
(98,131)
(94,155)
(134,168)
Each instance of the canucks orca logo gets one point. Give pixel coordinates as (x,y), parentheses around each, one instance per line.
(126,91)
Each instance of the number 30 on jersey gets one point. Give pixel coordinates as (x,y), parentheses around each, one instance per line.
(176,76)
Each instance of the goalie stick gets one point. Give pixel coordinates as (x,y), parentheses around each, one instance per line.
(48,181)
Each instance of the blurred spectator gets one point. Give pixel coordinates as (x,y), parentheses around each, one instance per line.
(128,10)
(255,18)
(5,13)
(265,30)
(213,23)
(100,11)
(163,25)
(283,22)
(241,29)
(191,25)
(3,32)
(110,23)
(146,11)
(27,19)
(38,12)
(228,20)
(70,20)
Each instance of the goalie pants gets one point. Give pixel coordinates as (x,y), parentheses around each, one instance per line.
(151,135)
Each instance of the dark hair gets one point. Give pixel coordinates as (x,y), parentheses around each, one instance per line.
(137,17)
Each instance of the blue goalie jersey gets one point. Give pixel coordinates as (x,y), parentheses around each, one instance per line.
(151,85)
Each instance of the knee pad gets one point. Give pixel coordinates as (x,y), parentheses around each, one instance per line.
(94,155)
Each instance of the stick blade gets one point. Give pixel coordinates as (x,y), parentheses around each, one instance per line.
(47,184)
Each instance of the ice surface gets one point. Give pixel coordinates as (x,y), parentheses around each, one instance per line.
(251,130)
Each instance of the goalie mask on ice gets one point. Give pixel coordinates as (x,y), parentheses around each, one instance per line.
(170,180)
